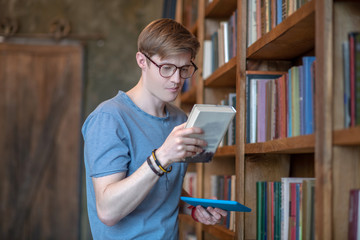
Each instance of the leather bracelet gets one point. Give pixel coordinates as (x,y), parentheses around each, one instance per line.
(152,167)
(158,163)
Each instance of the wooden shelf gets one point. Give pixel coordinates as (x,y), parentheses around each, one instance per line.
(299,144)
(219,232)
(226,151)
(220,8)
(224,76)
(293,37)
(189,97)
(347,137)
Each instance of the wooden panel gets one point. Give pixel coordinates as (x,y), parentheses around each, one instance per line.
(346,176)
(291,38)
(349,136)
(299,144)
(324,122)
(40,105)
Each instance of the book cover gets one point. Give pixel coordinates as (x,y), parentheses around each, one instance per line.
(214,120)
(307,208)
(308,95)
(207,69)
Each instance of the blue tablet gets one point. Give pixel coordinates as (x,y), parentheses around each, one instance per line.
(223,204)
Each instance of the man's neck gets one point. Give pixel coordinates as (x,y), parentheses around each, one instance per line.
(146,102)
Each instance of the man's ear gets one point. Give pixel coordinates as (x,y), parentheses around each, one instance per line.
(141,60)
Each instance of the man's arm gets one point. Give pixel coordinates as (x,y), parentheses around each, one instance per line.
(117,195)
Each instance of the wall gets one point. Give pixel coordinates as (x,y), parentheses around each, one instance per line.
(110,63)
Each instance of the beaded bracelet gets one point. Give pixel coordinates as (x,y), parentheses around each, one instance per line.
(152,167)
(158,163)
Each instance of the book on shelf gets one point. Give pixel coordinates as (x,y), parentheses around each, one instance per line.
(293,198)
(207,68)
(264,15)
(290,206)
(351,65)
(223,187)
(223,41)
(255,130)
(214,120)
(354,215)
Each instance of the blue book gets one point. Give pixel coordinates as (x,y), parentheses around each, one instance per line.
(309,94)
(278,11)
(227,205)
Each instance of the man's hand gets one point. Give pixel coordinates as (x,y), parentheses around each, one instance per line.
(179,145)
(209,216)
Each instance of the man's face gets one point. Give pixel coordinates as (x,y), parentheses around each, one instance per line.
(166,89)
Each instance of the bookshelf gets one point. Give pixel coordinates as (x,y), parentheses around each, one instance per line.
(331,154)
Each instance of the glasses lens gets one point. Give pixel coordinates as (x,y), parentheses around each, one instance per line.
(167,70)
(187,71)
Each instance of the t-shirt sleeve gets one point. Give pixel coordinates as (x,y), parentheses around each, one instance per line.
(105,148)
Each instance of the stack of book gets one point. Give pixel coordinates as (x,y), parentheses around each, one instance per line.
(264,15)
(280,104)
(221,47)
(223,188)
(285,210)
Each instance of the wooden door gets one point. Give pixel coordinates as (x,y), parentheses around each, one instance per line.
(40,120)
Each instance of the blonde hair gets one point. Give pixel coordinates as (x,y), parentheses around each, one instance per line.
(167,37)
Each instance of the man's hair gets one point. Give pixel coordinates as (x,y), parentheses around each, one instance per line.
(167,37)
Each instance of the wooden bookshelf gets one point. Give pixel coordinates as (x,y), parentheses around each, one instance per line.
(331,154)
(220,8)
(299,144)
(224,76)
(347,137)
(293,37)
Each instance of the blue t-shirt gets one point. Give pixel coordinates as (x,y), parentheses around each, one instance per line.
(118,137)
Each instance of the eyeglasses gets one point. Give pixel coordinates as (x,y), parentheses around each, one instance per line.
(167,70)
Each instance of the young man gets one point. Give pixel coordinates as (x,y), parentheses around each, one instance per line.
(135,144)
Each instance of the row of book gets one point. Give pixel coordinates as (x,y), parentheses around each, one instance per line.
(229,138)
(223,187)
(264,15)
(221,47)
(354,215)
(285,210)
(280,104)
(351,65)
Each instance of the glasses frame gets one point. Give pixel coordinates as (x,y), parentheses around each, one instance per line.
(161,65)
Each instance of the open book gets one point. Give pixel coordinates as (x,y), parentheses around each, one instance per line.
(214,120)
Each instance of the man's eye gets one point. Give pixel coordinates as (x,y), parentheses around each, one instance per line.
(167,67)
